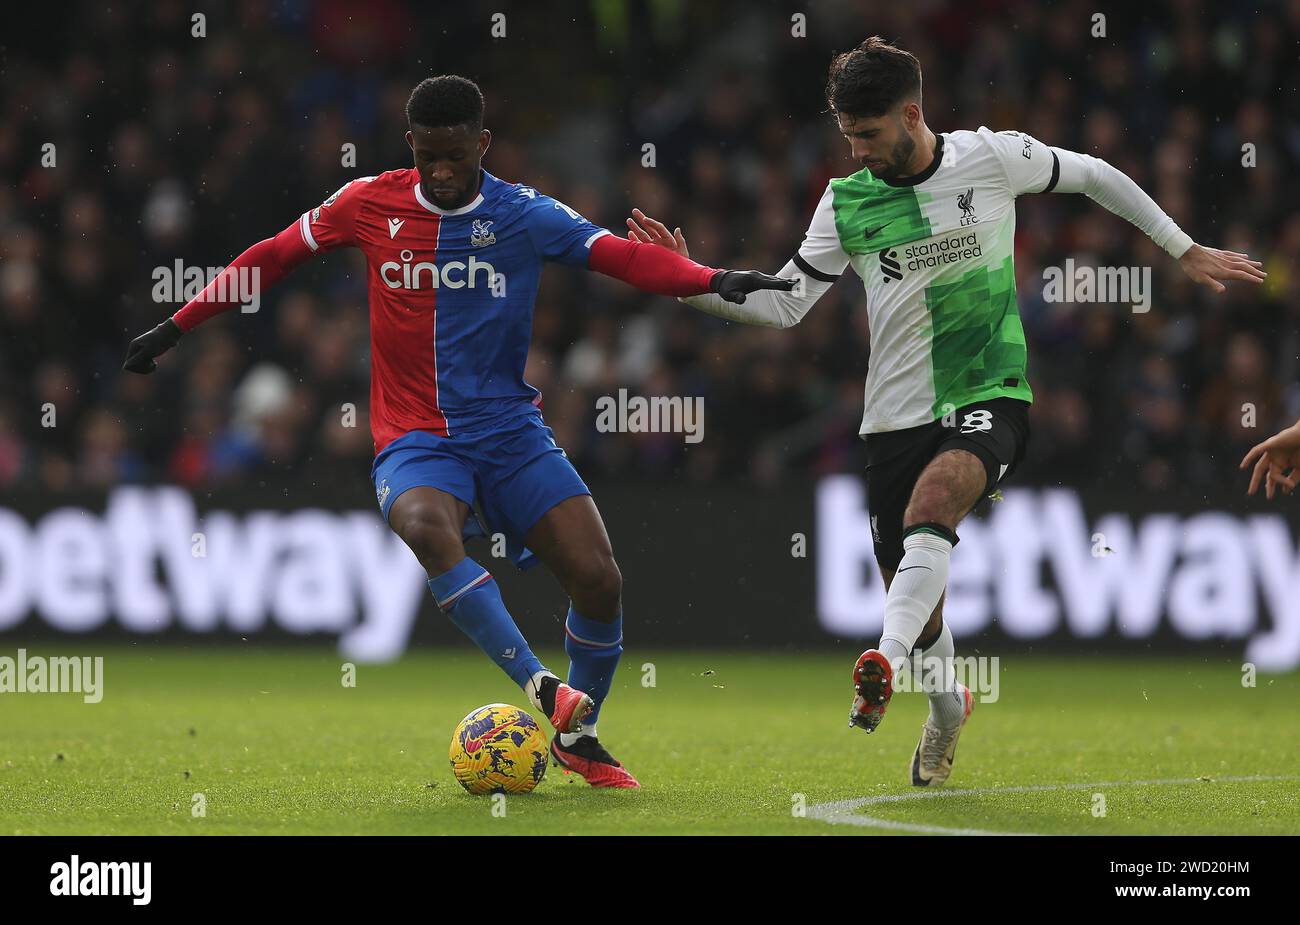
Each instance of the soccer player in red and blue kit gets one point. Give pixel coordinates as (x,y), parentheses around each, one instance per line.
(454,255)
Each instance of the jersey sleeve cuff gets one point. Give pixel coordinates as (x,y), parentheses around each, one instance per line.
(809,270)
(1179,244)
(304,225)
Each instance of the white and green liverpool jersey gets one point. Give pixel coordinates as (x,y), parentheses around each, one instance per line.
(934,253)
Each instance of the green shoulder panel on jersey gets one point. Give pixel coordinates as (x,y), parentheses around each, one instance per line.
(978,347)
(871,215)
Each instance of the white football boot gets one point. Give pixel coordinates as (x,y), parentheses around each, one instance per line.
(932,760)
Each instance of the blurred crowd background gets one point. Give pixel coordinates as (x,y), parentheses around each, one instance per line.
(170,146)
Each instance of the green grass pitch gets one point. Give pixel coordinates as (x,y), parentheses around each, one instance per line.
(723,743)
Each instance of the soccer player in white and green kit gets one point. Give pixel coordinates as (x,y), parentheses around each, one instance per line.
(928,226)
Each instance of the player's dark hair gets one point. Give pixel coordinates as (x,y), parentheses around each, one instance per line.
(446,100)
(872,78)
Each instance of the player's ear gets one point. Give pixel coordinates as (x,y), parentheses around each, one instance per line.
(484,140)
(911,114)
(410,140)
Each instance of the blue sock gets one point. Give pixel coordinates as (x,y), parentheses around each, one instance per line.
(594,649)
(469,596)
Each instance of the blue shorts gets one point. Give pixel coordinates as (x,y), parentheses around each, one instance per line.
(515,473)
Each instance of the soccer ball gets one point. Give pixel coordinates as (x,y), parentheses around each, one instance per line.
(498,749)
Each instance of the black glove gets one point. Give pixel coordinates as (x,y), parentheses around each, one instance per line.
(732,285)
(152,343)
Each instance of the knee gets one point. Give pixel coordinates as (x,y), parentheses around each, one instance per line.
(946,491)
(596,586)
(927,506)
(434,539)
(935,502)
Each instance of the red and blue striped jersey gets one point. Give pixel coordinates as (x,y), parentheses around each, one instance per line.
(451,294)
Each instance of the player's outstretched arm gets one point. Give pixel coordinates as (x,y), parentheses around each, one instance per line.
(1114,190)
(264,264)
(666,272)
(1275,461)
(330,225)
(776,307)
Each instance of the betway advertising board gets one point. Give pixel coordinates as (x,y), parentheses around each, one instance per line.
(790,567)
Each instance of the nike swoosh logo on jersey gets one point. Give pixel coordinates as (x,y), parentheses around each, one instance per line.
(872,234)
(394,226)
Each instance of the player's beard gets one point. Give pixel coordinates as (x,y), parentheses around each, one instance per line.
(462,196)
(453,200)
(899,158)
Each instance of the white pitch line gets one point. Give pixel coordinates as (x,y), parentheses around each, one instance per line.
(844,812)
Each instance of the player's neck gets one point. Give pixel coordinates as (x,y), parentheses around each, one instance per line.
(924,162)
(925,153)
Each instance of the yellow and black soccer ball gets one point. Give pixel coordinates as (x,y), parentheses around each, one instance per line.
(498,749)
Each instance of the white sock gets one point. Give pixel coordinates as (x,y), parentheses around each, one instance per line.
(914,593)
(939,681)
(568,738)
(533,687)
